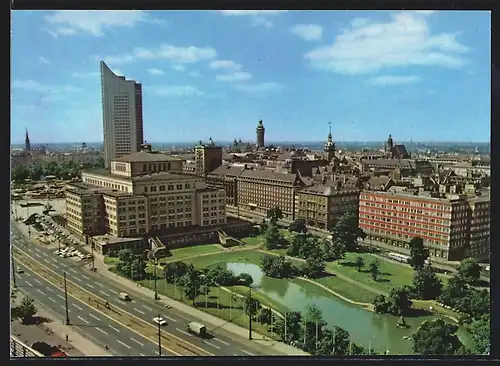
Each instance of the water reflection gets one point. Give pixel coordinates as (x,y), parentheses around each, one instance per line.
(365,327)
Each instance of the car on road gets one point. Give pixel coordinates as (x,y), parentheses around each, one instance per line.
(124,296)
(160,321)
(168,306)
(19,270)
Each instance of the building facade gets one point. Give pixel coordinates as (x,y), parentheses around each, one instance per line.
(443,223)
(260,190)
(122,115)
(143,193)
(226,177)
(321,206)
(208,157)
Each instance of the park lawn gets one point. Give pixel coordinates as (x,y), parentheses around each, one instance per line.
(178,254)
(227,309)
(253,240)
(391,274)
(347,289)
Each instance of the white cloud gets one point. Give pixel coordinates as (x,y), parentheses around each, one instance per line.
(93,22)
(34,86)
(184,55)
(225,64)
(308,32)
(259,17)
(43,60)
(179,67)
(235,76)
(86,75)
(176,91)
(194,74)
(406,39)
(386,80)
(260,88)
(154,71)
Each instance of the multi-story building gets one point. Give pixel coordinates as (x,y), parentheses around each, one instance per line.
(395,217)
(322,205)
(479,227)
(208,157)
(142,194)
(226,177)
(122,115)
(260,190)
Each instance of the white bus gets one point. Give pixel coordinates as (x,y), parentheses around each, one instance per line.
(399,257)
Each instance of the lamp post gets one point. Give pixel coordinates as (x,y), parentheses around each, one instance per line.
(66,300)
(250,314)
(159,337)
(13,269)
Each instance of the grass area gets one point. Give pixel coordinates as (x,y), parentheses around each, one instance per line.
(181,253)
(218,303)
(111,260)
(252,240)
(347,289)
(391,274)
(263,299)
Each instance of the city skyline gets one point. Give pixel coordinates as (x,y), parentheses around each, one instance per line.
(420,76)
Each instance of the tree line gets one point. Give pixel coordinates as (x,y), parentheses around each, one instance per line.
(64,170)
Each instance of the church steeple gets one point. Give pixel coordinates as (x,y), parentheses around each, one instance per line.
(27,145)
(329,144)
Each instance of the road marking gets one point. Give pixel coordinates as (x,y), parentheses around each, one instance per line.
(72,270)
(140,311)
(136,341)
(51,299)
(218,340)
(37,281)
(105,294)
(211,344)
(113,291)
(248,353)
(64,307)
(83,320)
(44,254)
(48,288)
(38,255)
(147,307)
(89,285)
(186,333)
(100,330)
(85,277)
(100,284)
(27,274)
(78,279)
(132,301)
(40,291)
(76,306)
(36,249)
(95,317)
(123,344)
(114,328)
(61,297)
(46,260)
(169,318)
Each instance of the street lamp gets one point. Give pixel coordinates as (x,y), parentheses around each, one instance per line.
(159,336)
(66,300)
(13,269)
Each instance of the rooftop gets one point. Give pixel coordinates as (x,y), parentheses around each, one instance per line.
(143,177)
(267,174)
(146,157)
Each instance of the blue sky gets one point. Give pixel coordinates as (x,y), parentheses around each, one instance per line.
(417,75)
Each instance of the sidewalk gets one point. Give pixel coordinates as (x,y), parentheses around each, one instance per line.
(54,333)
(258,341)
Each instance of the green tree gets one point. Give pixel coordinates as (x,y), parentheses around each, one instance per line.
(137,268)
(277,266)
(263,226)
(418,253)
(174,270)
(374,269)
(124,269)
(426,285)
(381,304)
(293,327)
(27,310)
(298,226)
(274,215)
(469,271)
(191,283)
(454,290)
(341,347)
(250,305)
(315,265)
(359,262)
(245,279)
(20,173)
(125,255)
(264,316)
(13,293)
(346,231)
(399,301)
(481,334)
(436,337)
(273,237)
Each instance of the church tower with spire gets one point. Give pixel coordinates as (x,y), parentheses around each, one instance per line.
(27,145)
(389,147)
(329,145)
(260,134)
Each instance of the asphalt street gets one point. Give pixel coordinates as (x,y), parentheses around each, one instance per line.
(222,343)
(103,331)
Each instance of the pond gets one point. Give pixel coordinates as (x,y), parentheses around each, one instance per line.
(366,328)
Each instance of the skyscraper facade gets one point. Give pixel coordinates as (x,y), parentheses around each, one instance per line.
(121,114)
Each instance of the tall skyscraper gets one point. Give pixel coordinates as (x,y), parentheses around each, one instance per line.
(121,115)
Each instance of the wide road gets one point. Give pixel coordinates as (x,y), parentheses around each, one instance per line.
(119,339)
(222,343)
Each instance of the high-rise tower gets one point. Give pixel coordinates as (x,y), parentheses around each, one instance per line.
(27,145)
(329,144)
(260,134)
(121,115)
